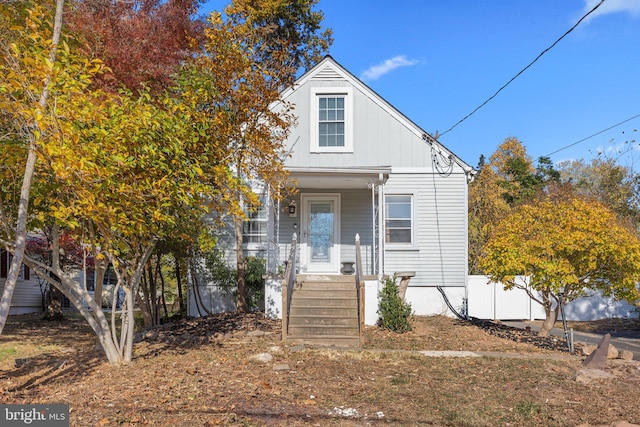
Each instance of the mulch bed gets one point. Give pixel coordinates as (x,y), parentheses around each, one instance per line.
(527,336)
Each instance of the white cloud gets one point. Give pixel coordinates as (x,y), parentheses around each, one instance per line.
(387,66)
(631,7)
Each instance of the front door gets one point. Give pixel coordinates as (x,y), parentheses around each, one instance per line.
(320,233)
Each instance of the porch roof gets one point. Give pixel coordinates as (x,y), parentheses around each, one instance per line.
(338,177)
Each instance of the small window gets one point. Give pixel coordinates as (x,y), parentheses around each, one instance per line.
(90,278)
(5,263)
(398,219)
(331,120)
(254,227)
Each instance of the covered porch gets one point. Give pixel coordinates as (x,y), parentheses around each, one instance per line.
(330,207)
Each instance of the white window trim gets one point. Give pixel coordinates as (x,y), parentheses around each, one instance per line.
(253,246)
(412,245)
(316,93)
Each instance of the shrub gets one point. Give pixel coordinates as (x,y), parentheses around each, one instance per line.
(226,277)
(393,312)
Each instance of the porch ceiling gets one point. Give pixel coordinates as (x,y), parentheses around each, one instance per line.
(338,178)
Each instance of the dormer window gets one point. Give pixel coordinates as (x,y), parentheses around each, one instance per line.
(331,120)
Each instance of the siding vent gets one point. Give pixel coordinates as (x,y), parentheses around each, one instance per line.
(328,73)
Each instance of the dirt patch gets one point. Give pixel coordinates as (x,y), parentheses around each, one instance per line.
(202,372)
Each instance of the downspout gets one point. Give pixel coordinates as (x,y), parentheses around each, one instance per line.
(466,265)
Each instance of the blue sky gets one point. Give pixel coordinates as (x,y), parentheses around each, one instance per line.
(436,61)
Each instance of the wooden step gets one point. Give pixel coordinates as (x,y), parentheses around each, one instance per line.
(325,340)
(317,310)
(322,320)
(324,311)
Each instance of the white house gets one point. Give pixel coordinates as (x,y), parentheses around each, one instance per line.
(363,168)
(28,295)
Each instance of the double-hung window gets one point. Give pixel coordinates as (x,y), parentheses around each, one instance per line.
(398,210)
(331,120)
(254,227)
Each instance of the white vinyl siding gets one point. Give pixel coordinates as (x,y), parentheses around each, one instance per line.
(439,251)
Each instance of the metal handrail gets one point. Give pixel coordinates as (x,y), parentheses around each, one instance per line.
(359,291)
(287,287)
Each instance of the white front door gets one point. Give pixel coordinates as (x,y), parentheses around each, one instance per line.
(320,246)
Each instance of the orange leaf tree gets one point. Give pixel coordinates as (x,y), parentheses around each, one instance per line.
(249,55)
(567,246)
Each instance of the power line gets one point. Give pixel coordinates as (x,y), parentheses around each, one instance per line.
(591,136)
(523,70)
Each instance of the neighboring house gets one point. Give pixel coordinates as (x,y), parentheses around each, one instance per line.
(361,167)
(27,296)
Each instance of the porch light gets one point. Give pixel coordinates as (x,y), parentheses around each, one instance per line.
(292,208)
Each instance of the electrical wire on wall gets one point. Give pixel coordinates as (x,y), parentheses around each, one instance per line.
(441,163)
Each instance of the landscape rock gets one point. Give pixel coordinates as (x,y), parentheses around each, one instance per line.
(262,357)
(281,367)
(613,352)
(598,358)
(586,376)
(626,355)
(588,349)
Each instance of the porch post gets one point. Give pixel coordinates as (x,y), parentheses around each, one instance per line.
(374,219)
(381,230)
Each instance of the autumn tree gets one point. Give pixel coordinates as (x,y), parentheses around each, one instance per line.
(251,53)
(509,178)
(609,182)
(566,245)
(165,34)
(29,72)
(141,42)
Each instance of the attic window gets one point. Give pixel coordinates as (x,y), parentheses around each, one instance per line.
(331,120)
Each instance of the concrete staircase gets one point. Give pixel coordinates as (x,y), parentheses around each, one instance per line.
(324,311)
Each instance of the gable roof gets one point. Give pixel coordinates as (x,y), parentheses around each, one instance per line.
(330,69)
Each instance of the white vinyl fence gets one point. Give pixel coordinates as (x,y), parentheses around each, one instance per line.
(489,300)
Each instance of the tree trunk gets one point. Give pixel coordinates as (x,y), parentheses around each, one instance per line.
(162,287)
(241,304)
(128,326)
(153,292)
(144,304)
(78,295)
(551,315)
(53,304)
(146,314)
(179,287)
(100,266)
(25,191)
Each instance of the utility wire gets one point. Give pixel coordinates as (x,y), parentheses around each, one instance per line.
(523,70)
(591,136)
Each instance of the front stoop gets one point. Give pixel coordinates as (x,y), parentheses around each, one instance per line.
(324,311)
